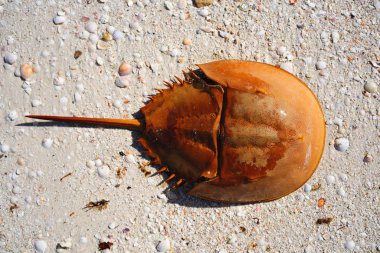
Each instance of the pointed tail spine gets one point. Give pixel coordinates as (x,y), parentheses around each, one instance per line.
(130,124)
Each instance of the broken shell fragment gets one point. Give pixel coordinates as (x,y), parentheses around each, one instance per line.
(202,3)
(107,36)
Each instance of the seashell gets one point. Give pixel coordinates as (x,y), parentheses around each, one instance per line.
(106,36)
(26,71)
(125,69)
(203,3)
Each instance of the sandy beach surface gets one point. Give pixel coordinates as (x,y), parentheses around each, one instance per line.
(62,58)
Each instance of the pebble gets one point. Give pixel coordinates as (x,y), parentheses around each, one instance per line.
(288,66)
(40,246)
(90,164)
(58,20)
(186,41)
(10,58)
(350,244)
(343,177)
(335,37)
(175,52)
(117,103)
(203,12)
(77,97)
(91,27)
(84,35)
(125,69)
(307,188)
(117,35)
(47,143)
(330,179)
(131,158)
(104,171)
(341,192)
(182,4)
(21,161)
(110,29)
(308,249)
(4,148)
(36,103)
(341,144)
(163,246)
(168,5)
(370,87)
(112,225)
(83,240)
(64,245)
(122,81)
(99,61)
(98,163)
(59,80)
(367,158)
(281,51)
(26,71)
(321,65)
(12,115)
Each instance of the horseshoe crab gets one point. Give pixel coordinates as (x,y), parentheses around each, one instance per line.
(240,131)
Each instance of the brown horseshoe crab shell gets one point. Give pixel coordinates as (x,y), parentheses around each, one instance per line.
(242,131)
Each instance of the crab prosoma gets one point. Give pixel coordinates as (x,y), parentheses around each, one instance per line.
(241,131)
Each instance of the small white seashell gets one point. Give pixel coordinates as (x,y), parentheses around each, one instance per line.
(93,38)
(281,51)
(99,61)
(341,144)
(131,158)
(83,240)
(122,81)
(47,143)
(117,35)
(84,35)
(112,225)
(40,246)
(77,97)
(90,164)
(321,65)
(117,103)
(4,148)
(168,5)
(350,245)
(330,179)
(175,53)
(36,103)
(12,115)
(371,87)
(103,171)
(58,20)
(163,246)
(91,27)
(59,80)
(10,58)
(98,163)
(203,12)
